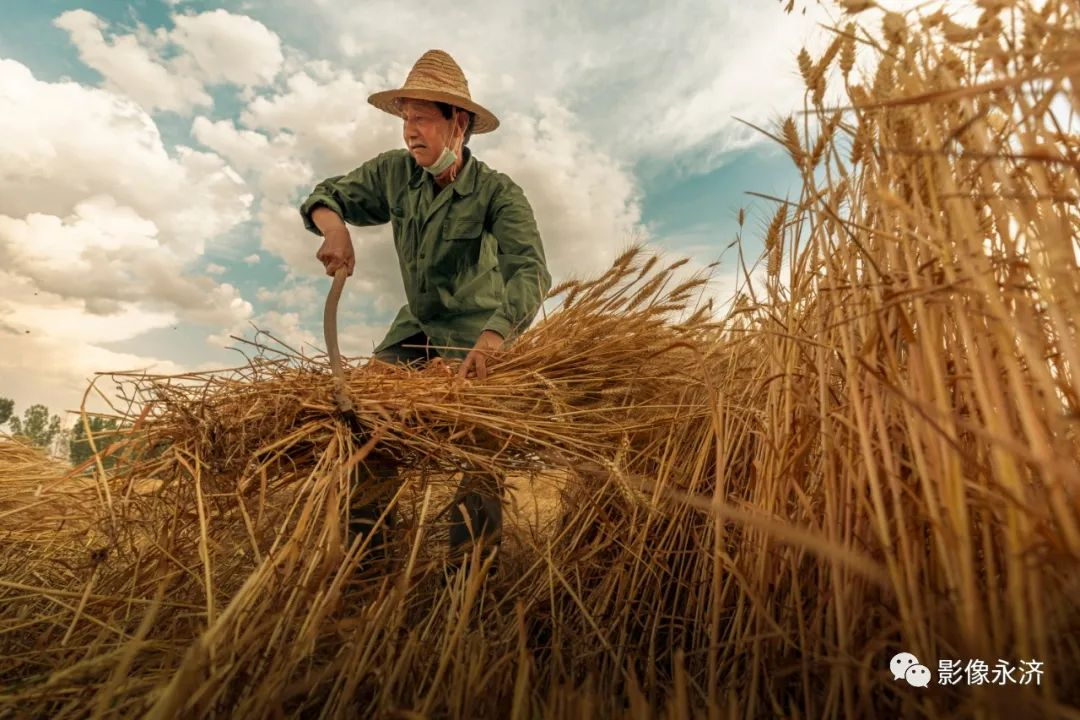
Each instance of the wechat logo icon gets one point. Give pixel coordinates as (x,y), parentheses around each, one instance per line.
(905,666)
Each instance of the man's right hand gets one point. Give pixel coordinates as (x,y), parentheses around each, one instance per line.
(337,248)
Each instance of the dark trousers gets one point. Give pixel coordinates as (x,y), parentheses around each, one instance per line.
(477,509)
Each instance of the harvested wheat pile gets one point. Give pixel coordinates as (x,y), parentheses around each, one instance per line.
(22,462)
(29,478)
(875,452)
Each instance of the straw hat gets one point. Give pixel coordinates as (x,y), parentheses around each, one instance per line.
(436,77)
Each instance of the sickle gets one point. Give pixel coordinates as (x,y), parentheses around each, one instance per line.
(341,396)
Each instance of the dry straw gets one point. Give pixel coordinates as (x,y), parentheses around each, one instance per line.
(877,454)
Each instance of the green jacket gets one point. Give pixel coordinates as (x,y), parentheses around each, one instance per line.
(471,257)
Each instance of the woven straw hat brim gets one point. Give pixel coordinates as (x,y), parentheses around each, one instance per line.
(438,78)
(485,120)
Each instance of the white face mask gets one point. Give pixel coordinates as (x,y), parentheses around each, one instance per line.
(444,163)
(448,157)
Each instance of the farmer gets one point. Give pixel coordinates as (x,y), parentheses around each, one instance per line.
(470,255)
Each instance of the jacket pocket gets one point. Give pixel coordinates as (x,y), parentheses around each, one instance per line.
(465,238)
(463,229)
(473,284)
(459,248)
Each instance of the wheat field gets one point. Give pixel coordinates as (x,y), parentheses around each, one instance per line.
(875,449)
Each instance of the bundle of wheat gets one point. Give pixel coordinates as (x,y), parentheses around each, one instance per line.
(876,452)
(26,474)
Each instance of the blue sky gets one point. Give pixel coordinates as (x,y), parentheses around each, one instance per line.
(154,153)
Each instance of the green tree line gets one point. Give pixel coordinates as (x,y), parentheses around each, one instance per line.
(43,430)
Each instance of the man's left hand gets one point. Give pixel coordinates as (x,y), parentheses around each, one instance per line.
(489,343)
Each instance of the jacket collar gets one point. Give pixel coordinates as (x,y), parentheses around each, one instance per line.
(466,179)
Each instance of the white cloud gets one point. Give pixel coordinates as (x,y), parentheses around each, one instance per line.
(360,339)
(51,163)
(296,295)
(169,70)
(282,234)
(586,204)
(286,327)
(252,259)
(108,257)
(327,112)
(54,345)
(221,199)
(225,48)
(653,81)
(129,67)
(100,227)
(271,161)
(669,92)
(79,328)
(215,269)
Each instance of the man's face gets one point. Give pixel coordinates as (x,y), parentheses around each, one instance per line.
(426,132)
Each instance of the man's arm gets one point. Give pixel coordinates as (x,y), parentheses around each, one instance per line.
(327,221)
(358,198)
(521,261)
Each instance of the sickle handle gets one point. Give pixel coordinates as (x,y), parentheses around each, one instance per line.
(341,398)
